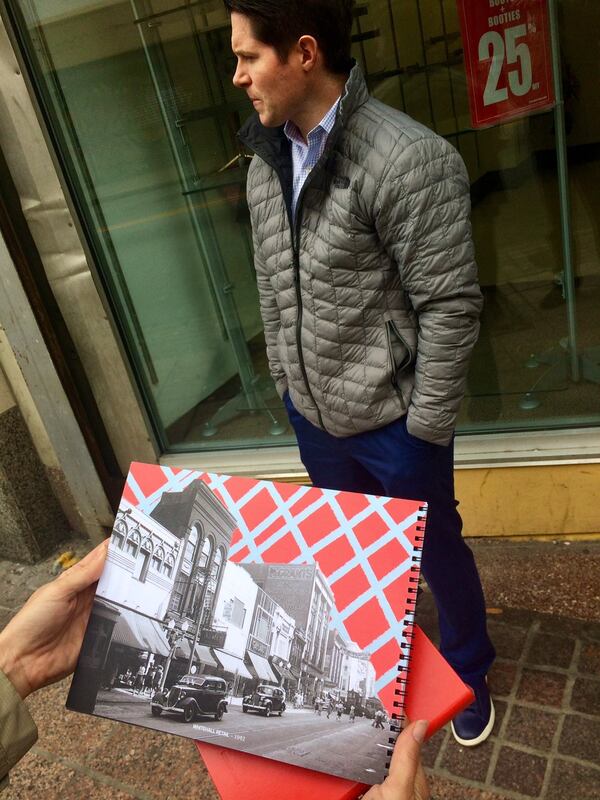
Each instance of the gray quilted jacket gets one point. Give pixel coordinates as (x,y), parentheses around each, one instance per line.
(369,296)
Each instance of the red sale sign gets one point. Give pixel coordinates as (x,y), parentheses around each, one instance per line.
(508,58)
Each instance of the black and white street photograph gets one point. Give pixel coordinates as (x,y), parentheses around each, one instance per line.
(319,738)
(184,641)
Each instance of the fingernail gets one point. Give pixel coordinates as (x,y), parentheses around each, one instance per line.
(420,730)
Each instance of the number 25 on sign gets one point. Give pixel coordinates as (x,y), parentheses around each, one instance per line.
(505,50)
(508,58)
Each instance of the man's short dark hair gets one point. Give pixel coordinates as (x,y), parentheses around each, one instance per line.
(280,23)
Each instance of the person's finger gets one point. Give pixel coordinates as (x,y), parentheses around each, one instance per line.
(84,573)
(406,756)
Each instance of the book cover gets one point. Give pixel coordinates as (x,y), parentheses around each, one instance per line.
(270,618)
(434,692)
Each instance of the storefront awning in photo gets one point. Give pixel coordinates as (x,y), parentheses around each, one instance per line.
(204,656)
(202,653)
(140,633)
(262,668)
(284,672)
(183,649)
(232,664)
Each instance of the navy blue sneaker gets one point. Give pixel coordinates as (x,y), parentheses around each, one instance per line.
(473,725)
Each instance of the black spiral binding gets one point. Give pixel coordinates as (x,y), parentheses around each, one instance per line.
(399,718)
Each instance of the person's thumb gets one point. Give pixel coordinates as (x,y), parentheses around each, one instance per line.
(84,573)
(405,763)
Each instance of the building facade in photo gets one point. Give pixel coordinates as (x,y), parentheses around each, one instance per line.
(204,528)
(145,558)
(127,635)
(357,673)
(259,633)
(336,649)
(234,612)
(304,594)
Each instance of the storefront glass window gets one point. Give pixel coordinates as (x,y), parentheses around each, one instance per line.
(139,98)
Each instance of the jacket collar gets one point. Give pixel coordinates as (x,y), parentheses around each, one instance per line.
(272,145)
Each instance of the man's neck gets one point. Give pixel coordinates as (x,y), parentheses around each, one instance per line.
(321,100)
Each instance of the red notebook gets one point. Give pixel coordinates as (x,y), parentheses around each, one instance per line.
(435,692)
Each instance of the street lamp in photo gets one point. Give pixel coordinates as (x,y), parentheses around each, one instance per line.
(203,577)
(175,635)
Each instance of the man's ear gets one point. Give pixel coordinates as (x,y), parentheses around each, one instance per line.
(308,49)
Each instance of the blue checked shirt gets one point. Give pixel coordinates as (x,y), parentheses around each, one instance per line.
(306,154)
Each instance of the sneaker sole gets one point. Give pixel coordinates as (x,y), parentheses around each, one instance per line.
(482,736)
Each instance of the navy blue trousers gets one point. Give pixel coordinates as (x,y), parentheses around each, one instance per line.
(391,462)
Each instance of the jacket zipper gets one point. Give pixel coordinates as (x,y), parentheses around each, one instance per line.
(294,220)
(295,230)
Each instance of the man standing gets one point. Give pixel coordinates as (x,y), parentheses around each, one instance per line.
(368,291)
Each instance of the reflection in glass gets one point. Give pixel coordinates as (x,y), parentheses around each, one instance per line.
(140,99)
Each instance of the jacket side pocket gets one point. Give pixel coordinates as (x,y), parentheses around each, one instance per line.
(399,354)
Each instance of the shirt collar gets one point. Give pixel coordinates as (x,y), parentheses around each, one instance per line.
(326,124)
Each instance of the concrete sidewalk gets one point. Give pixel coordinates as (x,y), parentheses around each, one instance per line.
(544,601)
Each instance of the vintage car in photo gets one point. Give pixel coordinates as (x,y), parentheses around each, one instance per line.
(265,699)
(354,699)
(372,706)
(193,696)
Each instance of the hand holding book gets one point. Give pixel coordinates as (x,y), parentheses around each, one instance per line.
(406,779)
(42,643)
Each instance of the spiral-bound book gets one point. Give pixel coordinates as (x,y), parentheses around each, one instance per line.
(271,618)
(434,692)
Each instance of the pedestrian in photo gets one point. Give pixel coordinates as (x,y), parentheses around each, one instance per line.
(158,676)
(352,714)
(149,680)
(339,708)
(368,291)
(138,685)
(378,721)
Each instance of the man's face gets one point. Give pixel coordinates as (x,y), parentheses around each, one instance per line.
(274,87)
